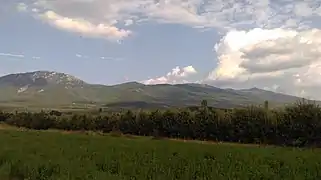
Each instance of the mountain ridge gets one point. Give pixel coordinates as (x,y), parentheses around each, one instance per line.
(39,78)
(50,88)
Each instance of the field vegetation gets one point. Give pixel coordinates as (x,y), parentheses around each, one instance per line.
(38,155)
(296,125)
(139,144)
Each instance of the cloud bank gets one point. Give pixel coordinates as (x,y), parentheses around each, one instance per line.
(283,56)
(176,76)
(104,17)
(281,60)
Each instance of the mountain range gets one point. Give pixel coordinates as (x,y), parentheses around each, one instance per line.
(54,89)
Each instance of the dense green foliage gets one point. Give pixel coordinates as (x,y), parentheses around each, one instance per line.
(297,125)
(53,156)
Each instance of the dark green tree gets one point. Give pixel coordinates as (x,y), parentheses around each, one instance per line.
(204,103)
(266,105)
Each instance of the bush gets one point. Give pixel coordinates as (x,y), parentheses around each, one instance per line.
(297,125)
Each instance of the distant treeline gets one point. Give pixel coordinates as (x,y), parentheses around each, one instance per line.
(297,125)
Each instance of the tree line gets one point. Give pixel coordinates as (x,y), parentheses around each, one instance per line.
(296,125)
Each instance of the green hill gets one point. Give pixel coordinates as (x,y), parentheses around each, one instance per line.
(53,89)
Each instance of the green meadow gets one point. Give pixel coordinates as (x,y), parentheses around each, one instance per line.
(42,155)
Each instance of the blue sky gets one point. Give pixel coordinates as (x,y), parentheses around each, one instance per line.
(227,43)
(152,51)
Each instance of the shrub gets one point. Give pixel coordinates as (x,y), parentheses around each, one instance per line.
(295,125)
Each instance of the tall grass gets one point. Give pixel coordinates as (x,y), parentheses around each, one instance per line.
(53,156)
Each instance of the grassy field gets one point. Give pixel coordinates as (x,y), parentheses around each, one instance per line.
(36,155)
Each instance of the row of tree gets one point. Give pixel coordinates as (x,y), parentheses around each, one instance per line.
(297,125)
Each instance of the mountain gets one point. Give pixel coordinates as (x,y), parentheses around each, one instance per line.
(40,78)
(53,89)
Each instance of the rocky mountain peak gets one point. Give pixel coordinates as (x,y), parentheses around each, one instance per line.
(40,78)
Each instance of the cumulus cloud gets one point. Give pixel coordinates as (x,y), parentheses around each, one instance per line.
(281,60)
(177,75)
(85,27)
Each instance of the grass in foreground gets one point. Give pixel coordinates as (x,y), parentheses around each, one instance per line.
(51,155)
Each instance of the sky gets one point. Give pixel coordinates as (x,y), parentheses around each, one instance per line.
(269,44)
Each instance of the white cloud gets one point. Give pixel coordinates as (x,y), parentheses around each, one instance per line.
(12,55)
(85,27)
(102,57)
(100,17)
(282,60)
(22,7)
(128,22)
(35,57)
(19,56)
(79,55)
(177,75)
(111,58)
(283,52)
(35,10)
